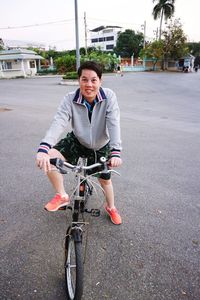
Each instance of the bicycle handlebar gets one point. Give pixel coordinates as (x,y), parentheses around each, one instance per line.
(60,164)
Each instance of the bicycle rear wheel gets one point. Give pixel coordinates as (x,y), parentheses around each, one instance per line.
(74,266)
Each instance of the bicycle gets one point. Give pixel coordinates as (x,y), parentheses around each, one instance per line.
(74,235)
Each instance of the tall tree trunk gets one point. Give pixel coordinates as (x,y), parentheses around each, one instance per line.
(161,19)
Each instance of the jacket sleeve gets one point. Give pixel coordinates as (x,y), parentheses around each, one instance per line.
(58,126)
(113,124)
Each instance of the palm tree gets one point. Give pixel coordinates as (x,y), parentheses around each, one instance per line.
(163,8)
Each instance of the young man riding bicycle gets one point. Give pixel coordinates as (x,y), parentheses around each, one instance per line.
(93,113)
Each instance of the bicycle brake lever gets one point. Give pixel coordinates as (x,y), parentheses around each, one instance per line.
(60,165)
(110,171)
(117,173)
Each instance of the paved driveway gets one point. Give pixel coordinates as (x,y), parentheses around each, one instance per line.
(155,253)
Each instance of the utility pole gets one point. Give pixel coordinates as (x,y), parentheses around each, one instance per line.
(85,33)
(144,43)
(77,36)
(144,28)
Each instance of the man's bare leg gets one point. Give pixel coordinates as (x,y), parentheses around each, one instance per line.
(109,195)
(55,177)
(108,190)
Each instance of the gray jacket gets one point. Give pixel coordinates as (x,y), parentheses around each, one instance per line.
(103,128)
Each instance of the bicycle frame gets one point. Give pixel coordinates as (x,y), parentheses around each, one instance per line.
(80,196)
(74,234)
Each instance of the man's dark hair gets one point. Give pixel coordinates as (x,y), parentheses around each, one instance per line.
(90,65)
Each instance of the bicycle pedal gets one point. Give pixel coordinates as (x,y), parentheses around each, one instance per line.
(95,212)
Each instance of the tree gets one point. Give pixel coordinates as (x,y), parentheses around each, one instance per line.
(164,8)
(194,48)
(65,63)
(173,46)
(154,50)
(106,60)
(129,42)
(175,39)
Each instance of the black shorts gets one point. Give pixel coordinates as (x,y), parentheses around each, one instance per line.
(72,149)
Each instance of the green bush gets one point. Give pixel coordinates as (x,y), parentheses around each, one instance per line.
(65,64)
(70,75)
(46,71)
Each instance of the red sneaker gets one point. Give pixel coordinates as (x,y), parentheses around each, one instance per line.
(57,202)
(114,215)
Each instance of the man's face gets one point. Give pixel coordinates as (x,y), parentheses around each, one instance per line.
(89,84)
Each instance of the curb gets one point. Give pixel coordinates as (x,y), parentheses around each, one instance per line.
(69,82)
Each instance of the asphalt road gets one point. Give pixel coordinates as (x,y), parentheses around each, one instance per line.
(155,253)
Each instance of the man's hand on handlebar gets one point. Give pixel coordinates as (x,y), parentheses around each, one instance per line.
(115,162)
(43,161)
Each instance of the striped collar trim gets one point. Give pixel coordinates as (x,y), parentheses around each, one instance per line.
(79,98)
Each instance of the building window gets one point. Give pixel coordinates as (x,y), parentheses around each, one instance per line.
(110,38)
(32,64)
(102,39)
(94,40)
(109,47)
(7,65)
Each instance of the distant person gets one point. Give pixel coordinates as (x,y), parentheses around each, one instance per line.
(196,68)
(119,70)
(197,63)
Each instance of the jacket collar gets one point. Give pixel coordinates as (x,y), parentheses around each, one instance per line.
(79,98)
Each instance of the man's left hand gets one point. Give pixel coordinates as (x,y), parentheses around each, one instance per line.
(115,162)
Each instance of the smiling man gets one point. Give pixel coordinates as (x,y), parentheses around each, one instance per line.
(94,115)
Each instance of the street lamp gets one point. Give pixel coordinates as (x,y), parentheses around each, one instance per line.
(77,36)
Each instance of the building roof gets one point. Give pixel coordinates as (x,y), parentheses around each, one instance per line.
(103,27)
(14,44)
(19,54)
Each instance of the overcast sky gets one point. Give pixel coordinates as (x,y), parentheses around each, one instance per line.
(52,22)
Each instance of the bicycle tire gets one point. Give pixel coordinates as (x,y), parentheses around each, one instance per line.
(74,266)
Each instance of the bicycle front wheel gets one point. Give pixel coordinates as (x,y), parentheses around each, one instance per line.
(74,266)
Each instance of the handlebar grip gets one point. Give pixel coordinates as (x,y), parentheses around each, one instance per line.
(59,164)
(53,161)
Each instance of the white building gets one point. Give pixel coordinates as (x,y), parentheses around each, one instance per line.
(104,37)
(19,63)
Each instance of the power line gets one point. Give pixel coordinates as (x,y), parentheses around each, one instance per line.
(123,23)
(35,25)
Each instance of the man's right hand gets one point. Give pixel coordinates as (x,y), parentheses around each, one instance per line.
(43,161)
